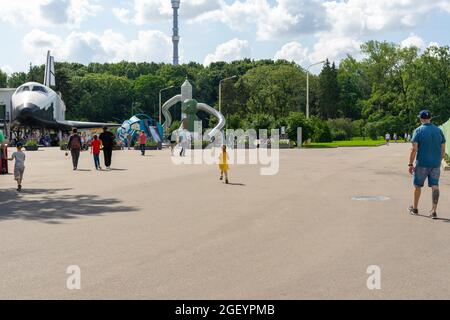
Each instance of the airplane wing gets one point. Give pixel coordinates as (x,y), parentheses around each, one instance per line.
(87,125)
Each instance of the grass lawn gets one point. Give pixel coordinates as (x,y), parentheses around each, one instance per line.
(355,142)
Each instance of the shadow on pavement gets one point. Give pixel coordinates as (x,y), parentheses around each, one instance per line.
(236,184)
(50,206)
(428,217)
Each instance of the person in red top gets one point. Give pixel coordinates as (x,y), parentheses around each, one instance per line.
(142,142)
(96,145)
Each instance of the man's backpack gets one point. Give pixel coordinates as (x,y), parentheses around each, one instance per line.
(75,143)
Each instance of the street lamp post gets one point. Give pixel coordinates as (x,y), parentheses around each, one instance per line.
(160,102)
(220,91)
(307,85)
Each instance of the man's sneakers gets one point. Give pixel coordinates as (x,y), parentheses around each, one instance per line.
(413,211)
(19,188)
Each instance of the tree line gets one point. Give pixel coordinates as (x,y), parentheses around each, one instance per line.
(381,92)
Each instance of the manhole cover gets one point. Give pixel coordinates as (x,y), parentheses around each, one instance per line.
(370,198)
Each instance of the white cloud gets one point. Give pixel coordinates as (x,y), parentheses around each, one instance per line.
(334,48)
(6,69)
(293,51)
(413,41)
(283,19)
(123,14)
(45,13)
(234,49)
(365,17)
(86,47)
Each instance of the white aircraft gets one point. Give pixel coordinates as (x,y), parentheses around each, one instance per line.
(38,106)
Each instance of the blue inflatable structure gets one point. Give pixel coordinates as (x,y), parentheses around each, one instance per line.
(140,122)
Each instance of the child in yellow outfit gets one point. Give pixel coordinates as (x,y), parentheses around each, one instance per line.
(223,164)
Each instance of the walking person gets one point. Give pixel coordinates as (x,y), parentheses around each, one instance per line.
(428,151)
(223,164)
(387,137)
(142,142)
(19,165)
(395,137)
(182,140)
(107,139)
(173,141)
(96,146)
(74,146)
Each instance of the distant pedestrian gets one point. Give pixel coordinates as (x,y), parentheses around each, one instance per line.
(428,151)
(406,137)
(19,165)
(182,138)
(96,145)
(129,138)
(173,141)
(387,137)
(409,137)
(107,139)
(74,147)
(223,164)
(142,142)
(395,137)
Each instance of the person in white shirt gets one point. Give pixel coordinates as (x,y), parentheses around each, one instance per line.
(19,165)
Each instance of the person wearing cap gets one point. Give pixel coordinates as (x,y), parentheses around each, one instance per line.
(428,151)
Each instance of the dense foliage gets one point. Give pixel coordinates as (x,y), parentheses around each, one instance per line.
(382,92)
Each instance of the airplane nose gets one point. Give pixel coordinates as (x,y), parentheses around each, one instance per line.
(26,111)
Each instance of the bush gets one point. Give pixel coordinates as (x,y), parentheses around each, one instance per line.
(298,120)
(31,143)
(234,121)
(175,126)
(358,128)
(322,132)
(373,130)
(341,129)
(151,143)
(261,121)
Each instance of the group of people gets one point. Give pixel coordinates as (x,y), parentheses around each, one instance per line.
(103,142)
(406,137)
(428,151)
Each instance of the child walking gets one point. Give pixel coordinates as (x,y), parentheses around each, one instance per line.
(223,164)
(95,150)
(19,165)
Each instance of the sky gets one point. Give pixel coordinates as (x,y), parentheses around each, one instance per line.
(304,31)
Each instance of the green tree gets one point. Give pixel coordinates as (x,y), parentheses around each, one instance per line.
(146,92)
(328,91)
(16,79)
(3,79)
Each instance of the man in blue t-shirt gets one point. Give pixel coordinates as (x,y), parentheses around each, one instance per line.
(428,151)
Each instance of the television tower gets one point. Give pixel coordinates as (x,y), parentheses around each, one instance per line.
(175,37)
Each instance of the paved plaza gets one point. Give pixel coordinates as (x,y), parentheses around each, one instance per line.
(152,230)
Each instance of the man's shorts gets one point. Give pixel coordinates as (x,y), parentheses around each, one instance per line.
(421,174)
(18,173)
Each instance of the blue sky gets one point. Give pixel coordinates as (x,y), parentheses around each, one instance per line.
(304,31)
